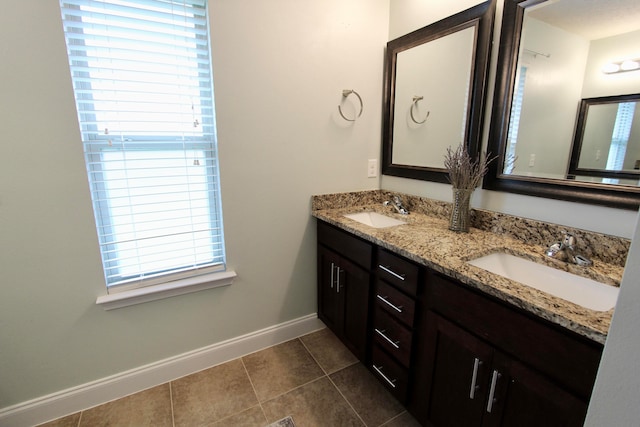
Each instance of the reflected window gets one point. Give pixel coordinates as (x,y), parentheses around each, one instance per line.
(620,137)
(514,123)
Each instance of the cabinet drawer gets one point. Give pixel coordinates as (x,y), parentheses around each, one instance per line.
(349,246)
(394,302)
(390,373)
(392,336)
(398,271)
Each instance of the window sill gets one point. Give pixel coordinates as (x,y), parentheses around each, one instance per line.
(166,290)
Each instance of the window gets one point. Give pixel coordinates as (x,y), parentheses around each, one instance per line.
(620,136)
(514,122)
(144,94)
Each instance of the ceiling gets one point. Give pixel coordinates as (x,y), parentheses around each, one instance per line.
(591,19)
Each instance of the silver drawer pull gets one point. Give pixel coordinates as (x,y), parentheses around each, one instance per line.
(381,333)
(492,391)
(393,273)
(379,371)
(384,300)
(474,377)
(333,268)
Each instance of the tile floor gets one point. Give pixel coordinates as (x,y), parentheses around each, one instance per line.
(314,379)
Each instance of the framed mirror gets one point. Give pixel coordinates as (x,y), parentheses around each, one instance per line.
(555,61)
(607,139)
(435,80)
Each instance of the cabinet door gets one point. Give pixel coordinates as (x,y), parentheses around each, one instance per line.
(330,306)
(352,287)
(459,376)
(343,299)
(525,398)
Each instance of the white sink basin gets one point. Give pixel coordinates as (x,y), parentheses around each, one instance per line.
(582,291)
(374,219)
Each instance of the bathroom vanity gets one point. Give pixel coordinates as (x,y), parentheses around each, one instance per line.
(456,344)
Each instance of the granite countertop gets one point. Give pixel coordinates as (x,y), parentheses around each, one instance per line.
(427,240)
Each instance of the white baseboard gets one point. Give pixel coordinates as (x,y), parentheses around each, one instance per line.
(91,394)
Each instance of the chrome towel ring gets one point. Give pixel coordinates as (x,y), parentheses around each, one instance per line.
(345,94)
(415,105)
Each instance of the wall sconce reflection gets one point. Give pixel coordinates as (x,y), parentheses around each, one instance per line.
(621,66)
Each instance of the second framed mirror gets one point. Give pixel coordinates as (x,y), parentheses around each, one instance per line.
(435,81)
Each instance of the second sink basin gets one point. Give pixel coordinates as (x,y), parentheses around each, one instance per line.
(374,219)
(577,289)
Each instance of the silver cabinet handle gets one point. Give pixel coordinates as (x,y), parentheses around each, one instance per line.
(379,371)
(384,299)
(333,267)
(381,333)
(476,364)
(492,391)
(393,273)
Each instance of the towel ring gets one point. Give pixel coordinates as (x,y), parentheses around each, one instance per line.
(345,94)
(415,104)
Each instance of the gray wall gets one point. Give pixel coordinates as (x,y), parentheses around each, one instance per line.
(280,67)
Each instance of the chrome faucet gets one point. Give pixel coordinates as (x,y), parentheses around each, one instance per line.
(396,203)
(566,251)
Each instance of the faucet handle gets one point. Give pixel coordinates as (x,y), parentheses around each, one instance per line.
(569,240)
(554,249)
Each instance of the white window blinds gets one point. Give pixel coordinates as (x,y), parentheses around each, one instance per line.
(620,136)
(142,80)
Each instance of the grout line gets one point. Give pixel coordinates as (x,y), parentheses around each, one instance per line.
(313,357)
(347,400)
(393,418)
(328,375)
(173,417)
(80,418)
(253,387)
(294,389)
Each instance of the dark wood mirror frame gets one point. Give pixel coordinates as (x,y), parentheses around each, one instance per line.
(617,196)
(480,16)
(576,149)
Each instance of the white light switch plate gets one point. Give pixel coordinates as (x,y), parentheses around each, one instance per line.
(372,168)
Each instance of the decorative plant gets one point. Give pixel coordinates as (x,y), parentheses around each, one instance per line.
(465,173)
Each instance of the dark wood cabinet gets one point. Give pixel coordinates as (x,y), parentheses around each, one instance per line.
(453,355)
(455,388)
(470,383)
(481,363)
(396,286)
(525,398)
(343,294)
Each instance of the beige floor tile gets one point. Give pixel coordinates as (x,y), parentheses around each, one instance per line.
(151,407)
(328,350)
(278,369)
(252,417)
(367,396)
(68,421)
(403,420)
(210,395)
(317,404)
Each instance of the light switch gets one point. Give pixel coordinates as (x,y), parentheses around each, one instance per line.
(372,168)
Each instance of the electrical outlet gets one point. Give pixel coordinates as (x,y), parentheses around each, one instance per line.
(532,160)
(597,154)
(372,168)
